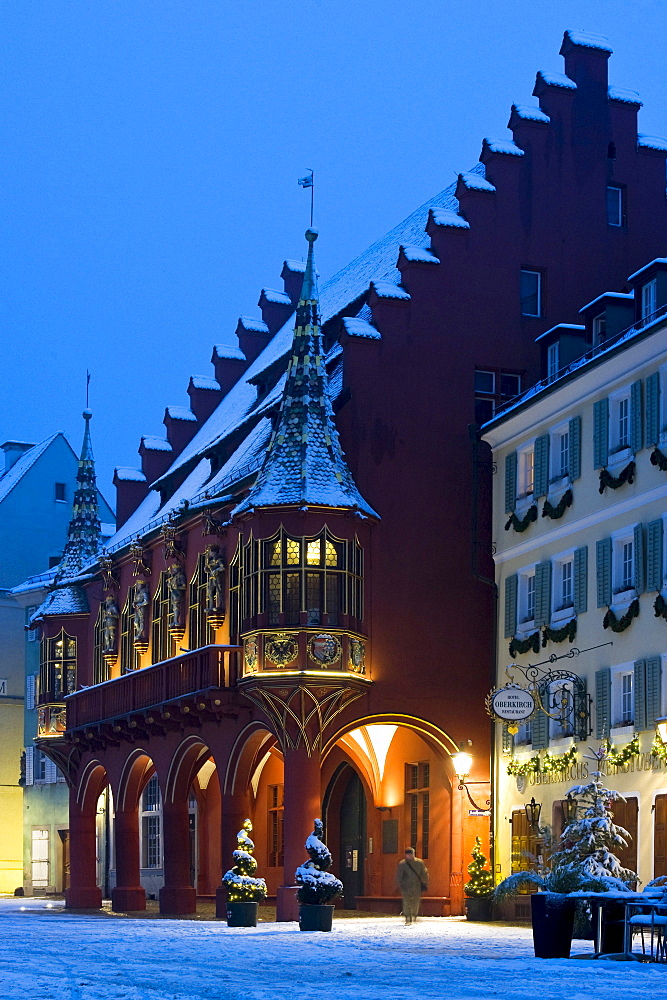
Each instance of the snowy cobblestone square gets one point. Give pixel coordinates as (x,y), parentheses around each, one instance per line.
(48,954)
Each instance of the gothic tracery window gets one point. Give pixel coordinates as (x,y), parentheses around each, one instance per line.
(58,666)
(199,630)
(160,638)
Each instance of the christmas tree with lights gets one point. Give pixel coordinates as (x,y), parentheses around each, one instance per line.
(481,879)
(242,886)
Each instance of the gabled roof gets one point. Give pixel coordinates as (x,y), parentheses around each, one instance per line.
(13,476)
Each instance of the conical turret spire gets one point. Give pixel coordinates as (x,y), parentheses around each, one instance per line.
(83,536)
(304,463)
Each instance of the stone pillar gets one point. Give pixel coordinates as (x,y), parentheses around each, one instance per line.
(456,875)
(177,894)
(128,893)
(83,892)
(302,804)
(235,809)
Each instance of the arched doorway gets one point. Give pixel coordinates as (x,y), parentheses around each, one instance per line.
(352,839)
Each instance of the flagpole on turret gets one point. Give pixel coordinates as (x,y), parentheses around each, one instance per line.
(309,182)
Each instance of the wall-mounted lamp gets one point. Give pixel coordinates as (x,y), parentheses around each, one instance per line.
(462,763)
(570,806)
(383,809)
(533,810)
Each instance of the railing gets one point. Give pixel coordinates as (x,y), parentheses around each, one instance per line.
(593,352)
(208,667)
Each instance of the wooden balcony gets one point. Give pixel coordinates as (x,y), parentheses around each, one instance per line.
(171,681)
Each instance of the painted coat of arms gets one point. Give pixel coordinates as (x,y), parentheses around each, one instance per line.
(251,653)
(324,649)
(358,655)
(281,649)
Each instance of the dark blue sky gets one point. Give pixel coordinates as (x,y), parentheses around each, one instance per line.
(150,153)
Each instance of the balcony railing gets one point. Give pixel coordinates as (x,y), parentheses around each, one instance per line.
(208,667)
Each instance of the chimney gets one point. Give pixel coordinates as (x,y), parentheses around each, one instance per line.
(276,308)
(229,364)
(205,393)
(156,457)
(131,490)
(13,451)
(253,335)
(181,425)
(292,275)
(586,57)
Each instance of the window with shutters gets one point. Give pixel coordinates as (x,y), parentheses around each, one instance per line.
(619,421)
(624,565)
(559,454)
(563,586)
(649,298)
(526,472)
(526,598)
(524,734)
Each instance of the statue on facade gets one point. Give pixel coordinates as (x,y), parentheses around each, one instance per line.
(176,585)
(215,580)
(140,603)
(110,616)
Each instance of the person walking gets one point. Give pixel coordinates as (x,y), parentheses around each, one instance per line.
(412,878)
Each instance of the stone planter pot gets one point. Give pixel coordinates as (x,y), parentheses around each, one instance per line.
(479,907)
(314,917)
(553,921)
(242,914)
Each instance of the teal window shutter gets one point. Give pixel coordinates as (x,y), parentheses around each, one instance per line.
(581,711)
(542,465)
(581,580)
(636,416)
(543,593)
(639,695)
(600,433)
(653,690)
(575,447)
(510,482)
(511,587)
(603,555)
(539,725)
(652,412)
(654,548)
(639,558)
(602,702)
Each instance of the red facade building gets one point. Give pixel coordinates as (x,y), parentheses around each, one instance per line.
(305,630)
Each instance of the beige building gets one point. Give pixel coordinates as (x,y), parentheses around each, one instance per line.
(580,505)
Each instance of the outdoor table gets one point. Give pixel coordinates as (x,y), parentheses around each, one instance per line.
(653,916)
(598,900)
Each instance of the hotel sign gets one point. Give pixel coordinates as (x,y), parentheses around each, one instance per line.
(511,703)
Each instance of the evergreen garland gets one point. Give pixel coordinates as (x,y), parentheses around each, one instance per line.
(567,631)
(620,757)
(524,645)
(659,749)
(660,607)
(557,510)
(620,624)
(480,883)
(520,524)
(543,765)
(627,475)
(657,458)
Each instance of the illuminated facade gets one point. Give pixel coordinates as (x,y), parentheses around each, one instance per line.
(291,628)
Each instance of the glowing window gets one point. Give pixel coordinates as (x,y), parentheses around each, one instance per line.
(314,552)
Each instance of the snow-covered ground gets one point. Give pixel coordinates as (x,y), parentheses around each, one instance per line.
(46,954)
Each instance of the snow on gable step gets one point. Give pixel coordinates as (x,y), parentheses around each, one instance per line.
(527,114)
(388,290)
(156,456)
(181,425)
(180,413)
(276,308)
(253,336)
(654,143)
(131,489)
(229,363)
(355,327)
(585,40)
(499,147)
(469,181)
(292,275)
(545,81)
(415,255)
(446,219)
(621,96)
(205,393)
(125,474)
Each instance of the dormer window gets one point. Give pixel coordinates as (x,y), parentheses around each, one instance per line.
(599,329)
(553,361)
(649,298)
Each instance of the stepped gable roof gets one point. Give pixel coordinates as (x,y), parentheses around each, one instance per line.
(83,535)
(12,477)
(304,463)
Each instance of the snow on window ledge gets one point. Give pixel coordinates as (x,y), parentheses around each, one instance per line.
(623,598)
(524,501)
(558,486)
(620,457)
(623,729)
(563,615)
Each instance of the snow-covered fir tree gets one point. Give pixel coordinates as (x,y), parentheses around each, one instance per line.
(242,886)
(316,883)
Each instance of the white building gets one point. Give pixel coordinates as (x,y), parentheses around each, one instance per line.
(580,505)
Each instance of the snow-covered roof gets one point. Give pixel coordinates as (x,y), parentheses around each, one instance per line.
(38,581)
(125,474)
(181,413)
(475,182)
(624,96)
(607,295)
(68,600)
(271,295)
(559,326)
(555,80)
(356,327)
(652,142)
(153,443)
(447,218)
(531,113)
(205,381)
(13,476)
(107,530)
(660,261)
(225,351)
(296,266)
(420,255)
(506,146)
(588,40)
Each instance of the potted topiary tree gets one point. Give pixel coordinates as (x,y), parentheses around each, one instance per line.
(479,887)
(584,863)
(244,891)
(317,885)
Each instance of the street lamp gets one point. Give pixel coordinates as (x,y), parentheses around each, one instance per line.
(570,807)
(533,810)
(462,763)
